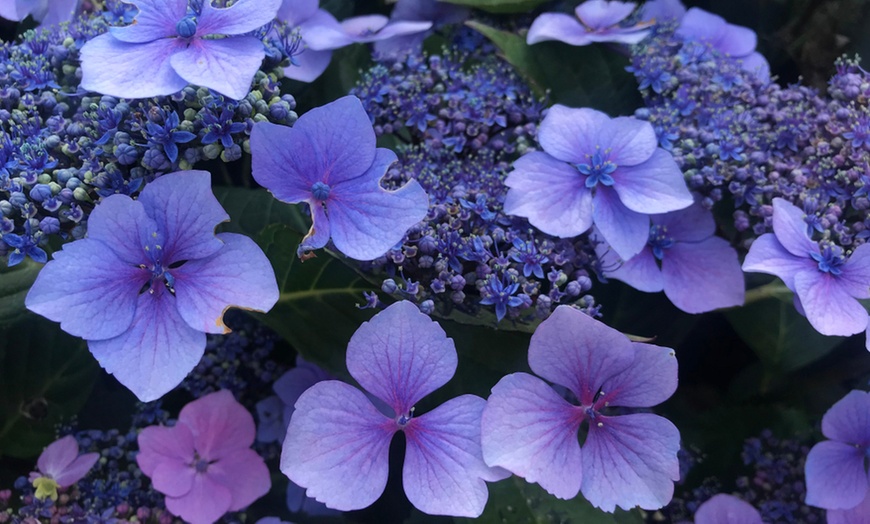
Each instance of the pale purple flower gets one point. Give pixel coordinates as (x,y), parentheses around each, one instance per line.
(827,284)
(594,168)
(697,270)
(177,48)
(338,441)
(204,464)
(531,430)
(47,12)
(329,160)
(727,509)
(594,21)
(662,10)
(151,279)
(60,466)
(439,13)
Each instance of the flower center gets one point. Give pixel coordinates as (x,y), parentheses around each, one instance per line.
(320,191)
(659,240)
(402,420)
(186,27)
(46,487)
(830,260)
(597,169)
(201,465)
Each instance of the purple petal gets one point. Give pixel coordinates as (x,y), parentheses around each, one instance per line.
(309,65)
(394,29)
(736,40)
(158,444)
(791,230)
(294,12)
(400,356)
(835,475)
(364,25)
(156,19)
(337,446)
(219,424)
(571,135)
(662,10)
(603,13)
(245,474)
(703,276)
(367,220)
(557,26)
(701,26)
(322,32)
(640,271)
(57,456)
(848,420)
(77,470)
(297,502)
(629,461)
(757,64)
(727,509)
(855,276)
(158,350)
(242,17)
(550,193)
(444,470)
(238,275)
(829,308)
(281,161)
(59,11)
(174,478)
(205,503)
(13,10)
(650,380)
(438,12)
(318,233)
(691,224)
(625,230)
(123,225)
(630,141)
(400,46)
(112,67)
(860,514)
(271,424)
(767,255)
(529,430)
(226,65)
(294,382)
(186,212)
(655,186)
(99,303)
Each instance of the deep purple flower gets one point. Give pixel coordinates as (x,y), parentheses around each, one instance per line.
(827,284)
(594,168)
(727,509)
(529,429)
(60,466)
(23,246)
(177,48)
(734,41)
(329,160)
(338,442)
(45,11)
(204,464)
(594,21)
(221,127)
(151,280)
(697,270)
(167,136)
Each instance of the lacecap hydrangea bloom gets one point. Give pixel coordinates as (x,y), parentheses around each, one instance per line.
(60,466)
(531,430)
(338,442)
(151,279)
(329,160)
(727,509)
(594,21)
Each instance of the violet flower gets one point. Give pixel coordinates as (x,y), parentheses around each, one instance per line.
(204,464)
(338,442)
(529,429)
(594,21)
(827,284)
(329,160)
(434,11)
(151,279)
(594,168)
(735,41)
(727,509)
(662,10)
(697,270)
(178,48)
(47,12)
(60,466)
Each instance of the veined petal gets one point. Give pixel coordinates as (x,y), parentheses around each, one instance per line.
(226,65)
(205,503)
(791,230)
(767,255)
(57,456)
(400,356)
(529,430)
(219,424)
(629,140)
(829,308)
(625,230)
(242,17)
(76,470)
(123,225)
(557,26)
(113,67)
(654,186)
(640,271)
(848,420)
(337,446)
(310,64)
(161,443)
(727,509)
(703,276)
(630,460)
(282,161)
(835,475)
(570,134)
(650,380)
(156,19)
(244,474)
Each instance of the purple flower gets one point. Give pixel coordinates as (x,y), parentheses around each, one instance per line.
(662,10)
(45,11)
(438,13)
(726,509)
(595,21)
(732,40)
(60,466)
(529,429)
(826,283)
(697,270)
(329,160)
(151,280)
(177,47)
(204,464)
(338,442)
(594,168)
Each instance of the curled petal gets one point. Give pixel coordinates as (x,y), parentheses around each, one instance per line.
(767,255)
(603,13)
(318,233)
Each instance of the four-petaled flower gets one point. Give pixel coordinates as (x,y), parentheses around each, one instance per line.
(727,509)
(151,280)
(329,160)
(60,466)
(204,464)
(338,442)
(178,48)
(594,21)
(529,429)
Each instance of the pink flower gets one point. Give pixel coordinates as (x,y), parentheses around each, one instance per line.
(204,464)
(60,466)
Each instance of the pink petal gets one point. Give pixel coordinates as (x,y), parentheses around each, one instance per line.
(650,380)
(226,65)
(112,67)
(57,456)
(174,478)
(205,503)
(791,230)
(625,230)
(156,19)
(244,474)
(703,276)
(158,444)
(727,509)
(219,424)
(654,186)
(242,17)
(570,135)
(848,420)
(557,26)
(829,308)
(77,469)
(835,475)
(767,255)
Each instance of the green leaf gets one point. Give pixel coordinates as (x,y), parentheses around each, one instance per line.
(47,377)
(499,6)
(15,282)
(251,210)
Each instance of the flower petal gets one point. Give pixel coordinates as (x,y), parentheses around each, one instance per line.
(112,67)
(767,255)
(703,276)
(244,474)
(829,308)
(570,134)
(727,509)
(394,29)
(322,32)
(625,230)
(557,26)
(242,17)
(337,446)
(690,224)
(791,230)
(123,225)
(629,140)
(529,430)
(294,382)
(158,444)
(640,271)
(855,276)
(282,161)
(156,19)
(226,65)
(318,233)
(77,469)
(654,186)
(219,424)
(603,13)
(848,420)
(835,475)
(60,11)
(400,356)
(294,12)
(205,503)
(174,478)
(57,456)
(309,65)
(860,514)
(650,380)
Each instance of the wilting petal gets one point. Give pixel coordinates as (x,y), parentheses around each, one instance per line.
(550,193)
(625,230)
(160,443)
(767,255)
(629,140)
(318,233)
(599,14)
(400,356)
(557,26)
(244,473)
(690,224)
(337,446)
(57,456)
(205,503)
(860,514)
(829,308)
(727,509)
(855,276)
(703,276)
(835,475)
(156,19)
(650,380)
(791,229)
(655,186)
(529,430)
(571,135)
(640,271)
(629,461)
(241,17)
(848,420)
(112,67)
(309,65)
(220,425)
(226,65)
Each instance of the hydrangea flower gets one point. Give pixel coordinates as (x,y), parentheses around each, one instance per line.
(529,429)
(60,466)
(204,464)
(594,21)
(662,10)
(45,11)
(329,160)
(594,168)
(151,280)
(697,270)
(727,509)
(274,412)
(338,442)
(827,284)
(179,48)
(836,470)
(438,13)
